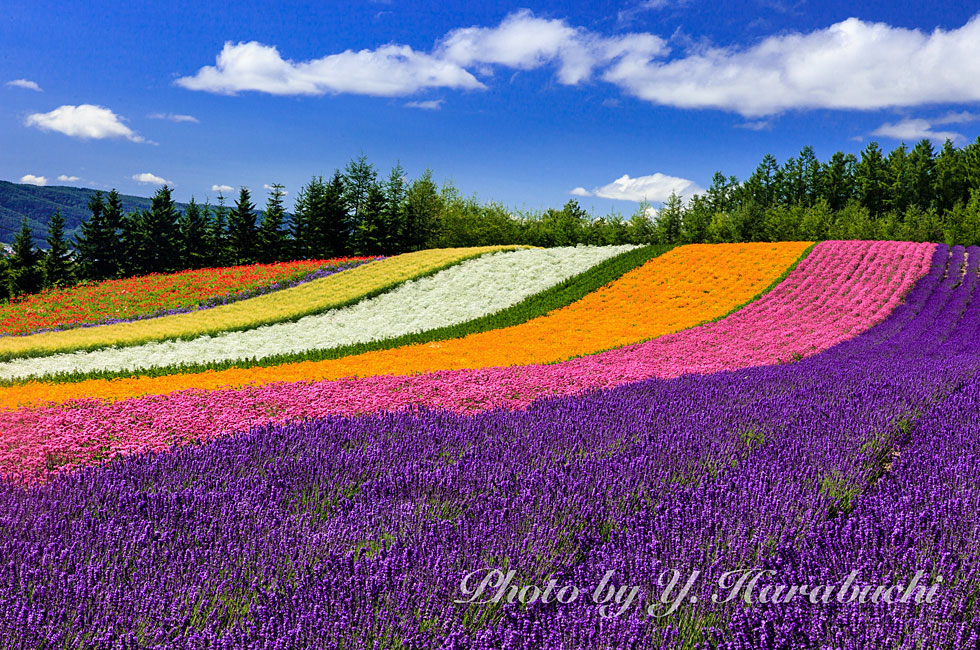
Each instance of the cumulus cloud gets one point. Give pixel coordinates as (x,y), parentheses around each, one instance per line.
(849,65)
(388,71)
(429,105)
(580,191)
(64,178)
(24,83)
(221,188)
(524,42)
(655,187)
(86,121)
(31,179)
(146,178)
(173,117)
(912,129)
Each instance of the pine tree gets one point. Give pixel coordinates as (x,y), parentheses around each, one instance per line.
(218,235)
(901,189)
(871,178)
(271,236)
(370,235)
(922,166)
(423,208)
(394,212)
(193,228)
(670,220)
(242,233)
(838,186)
(25,274)
(131,244)
(303,229)
(158,235)
(58,271)
(333,226)
(359,177)
(113,217)
(949,183)
(98,244)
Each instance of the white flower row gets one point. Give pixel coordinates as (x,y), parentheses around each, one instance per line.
(474,288)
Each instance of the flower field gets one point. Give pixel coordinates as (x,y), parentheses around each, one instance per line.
(156,295)
(288,304)
(472,289)
(669,422)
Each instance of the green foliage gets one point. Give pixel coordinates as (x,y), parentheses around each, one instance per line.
(58,267)
(192,228)
(272,241)
(242,230)
(25,274)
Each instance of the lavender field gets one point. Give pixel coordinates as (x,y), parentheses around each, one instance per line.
(358,532)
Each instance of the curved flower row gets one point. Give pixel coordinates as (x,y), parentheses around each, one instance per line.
(677,290)
(455,295)
(154,295)
(288,304)
(854,298)
(358,532)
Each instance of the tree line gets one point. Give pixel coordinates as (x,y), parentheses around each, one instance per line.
(916,194)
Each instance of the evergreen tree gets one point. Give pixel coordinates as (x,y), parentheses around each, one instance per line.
(58,271)
(698,215)
(4,276)
(949,183)
(761,186)
(393,215)
(422,212)
(271,236)
(218,234)
(670,219)
(838,186)
(194,246)
(359,177)
(157,234)
(25,275)
(922,167)
(871,179)
(371,235)
(113,217)
(334,227)
(131,244)
(242,233)
(901,186)
(98,244)
(306,229)
(810,175)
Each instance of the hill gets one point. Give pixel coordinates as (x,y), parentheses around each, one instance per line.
(18,200)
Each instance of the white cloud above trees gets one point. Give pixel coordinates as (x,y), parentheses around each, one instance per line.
(85,121)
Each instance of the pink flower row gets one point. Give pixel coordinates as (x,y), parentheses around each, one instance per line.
(839,291)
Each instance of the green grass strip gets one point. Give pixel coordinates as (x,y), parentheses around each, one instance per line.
(556,297)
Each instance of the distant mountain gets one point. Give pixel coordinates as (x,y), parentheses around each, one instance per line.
(18,200)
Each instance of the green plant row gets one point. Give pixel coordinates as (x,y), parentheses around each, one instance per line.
(560,295)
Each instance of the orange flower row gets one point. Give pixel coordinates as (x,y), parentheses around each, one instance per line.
(680,289)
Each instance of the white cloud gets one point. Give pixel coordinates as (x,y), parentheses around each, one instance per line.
(849,65)
(64,178)
(963,117)
(656,187)
(146,178)
(524,41)
(389,71)
(580,191)
(913,129)
(268,187)
(173,117)
(429,105)
(24,83)
(31,179)
(85,121)
(221,188)
(755,125)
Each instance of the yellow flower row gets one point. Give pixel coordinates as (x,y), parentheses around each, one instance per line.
(318,295)
(680,289)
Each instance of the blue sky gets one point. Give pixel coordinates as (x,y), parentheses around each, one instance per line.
(525,103)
